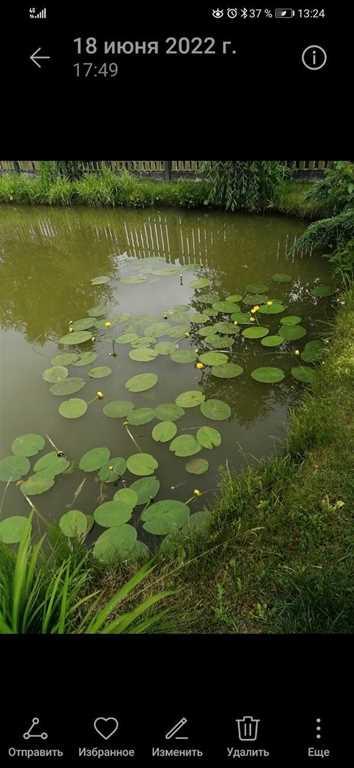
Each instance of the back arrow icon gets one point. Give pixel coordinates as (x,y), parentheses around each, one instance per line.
(35,57)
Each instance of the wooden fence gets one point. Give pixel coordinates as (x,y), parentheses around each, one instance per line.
(167,169)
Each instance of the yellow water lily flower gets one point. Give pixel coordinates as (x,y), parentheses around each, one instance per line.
(252,319)
(107,324)
(196,492)
(297,351)
(235,322)
(269,303)
(93,338)
(99,395)
(199,365)
(255,308)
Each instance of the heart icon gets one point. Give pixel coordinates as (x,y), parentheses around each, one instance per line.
(106,726)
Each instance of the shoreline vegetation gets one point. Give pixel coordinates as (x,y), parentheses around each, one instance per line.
(276,553)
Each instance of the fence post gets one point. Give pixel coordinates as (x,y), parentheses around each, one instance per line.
(17,166)
(168,169)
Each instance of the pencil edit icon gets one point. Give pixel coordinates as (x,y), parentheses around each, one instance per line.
(247,728)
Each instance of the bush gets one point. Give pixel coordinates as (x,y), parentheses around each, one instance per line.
(332,234)
(336,190)
(244,184)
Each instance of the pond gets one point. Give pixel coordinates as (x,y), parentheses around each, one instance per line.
(169,295)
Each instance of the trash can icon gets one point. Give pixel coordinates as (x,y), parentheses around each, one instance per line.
(247,727)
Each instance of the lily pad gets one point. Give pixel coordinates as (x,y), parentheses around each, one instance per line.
(83,324)
(169,412)
(275,308)
(165,348)
(256,288)
(223,327)
(216,410)
(141,382)
(65,358)
(51,464)
(113,470)
(97,311)
(166,516)
(256,332)
(281,277)
(268,375)
(146,489)
(199,522)
(190,399)
(313,351)
(128,496)
(227,371)
(126,338)
(213,358)
(73,524)
(112,513)
(208,437)
(140,416)
(55,374)
(143,354)
(184,356)
(157,329)
(94,459)
(291,320)
(197,466)
(38,483)
(178,331)
(293,332)
(185,445)
(13,528)
(142,464)
(12,468)
(164,431)
(28,445)
(234,298)
(133,280)
(117,409)
(73,408)
(116,543)
(219,342)
(86,358)
(100,372)
(272,341)
(100,280)
(68,386)
(201,282)
(226,307)
(304,374)
(242,318)
(254,298)
(76,337)
(320,291)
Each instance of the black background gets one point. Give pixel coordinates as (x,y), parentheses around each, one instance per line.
(264,105)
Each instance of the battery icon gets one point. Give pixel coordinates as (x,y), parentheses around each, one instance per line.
(284,13)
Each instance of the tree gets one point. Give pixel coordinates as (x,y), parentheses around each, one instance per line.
(244,184)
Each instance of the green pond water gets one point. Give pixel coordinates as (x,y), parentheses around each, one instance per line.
(48,260)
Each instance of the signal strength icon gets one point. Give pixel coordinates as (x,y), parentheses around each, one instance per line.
(34,14)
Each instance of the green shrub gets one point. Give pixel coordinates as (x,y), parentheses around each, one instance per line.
(329,234)
(336,190)
(244,184)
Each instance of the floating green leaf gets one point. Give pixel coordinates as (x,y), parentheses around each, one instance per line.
(52,464)
(320,291)
(190,399)
(12,468)
(142,464)
(213,358)
(293,332)
(164,431)
(83,324)
(254,298)
(178,331)
(100,280)
(141,382)
(197,466)
(73,524)
(169,412)
(133,280)
(76,337)
(97,311)
(185,445)
(268,375)
(100,372)
(202,282)
(68,386)
(291,320)
(112,513)
(55,374)
(116,543)
(13,528)
(226,307)
(216,410)
(165,348)
(304,374)
(38,483)
(143,354)
(113,470)
(227,371)
(199,317)
(65,358)
(157,329)
(146,489)
(126,338)
(313,351)
(140,416)
(272,309)
(86,358)
(242,318)
(94,459)
(222,327)
(280,277)
(117,409)
(165,516)
(73,408)
(256,288)
(234,298)
(28,445)
(256,332)
(272,341)
(208,437)
(184,356)
(219,342)
(128,495)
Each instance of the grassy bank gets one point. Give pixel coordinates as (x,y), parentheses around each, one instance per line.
(279,554)
(112,190)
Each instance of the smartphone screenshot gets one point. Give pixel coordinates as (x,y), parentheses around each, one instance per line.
(176,411)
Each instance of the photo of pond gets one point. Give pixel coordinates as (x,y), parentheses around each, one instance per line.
(173,342)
